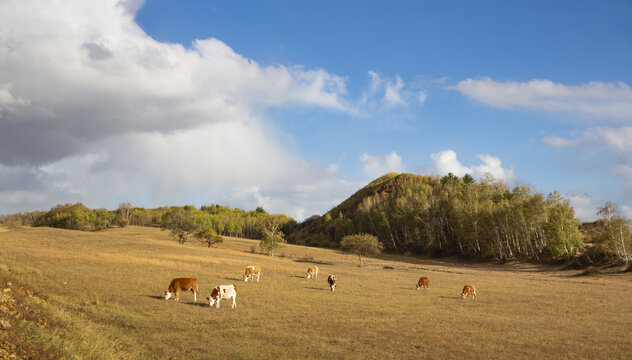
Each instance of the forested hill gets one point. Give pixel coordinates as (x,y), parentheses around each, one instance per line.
(451,216)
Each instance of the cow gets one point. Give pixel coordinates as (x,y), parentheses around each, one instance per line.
(251,272)
(331,280)
(424,282)
(468,290)
(223,292)
(312,272)
(185,284)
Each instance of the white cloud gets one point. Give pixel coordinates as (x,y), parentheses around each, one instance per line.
(594,99)
(375,166)
(446,162)
(392,94)
(89,73)
(614,138)
(92,109)
(584,205)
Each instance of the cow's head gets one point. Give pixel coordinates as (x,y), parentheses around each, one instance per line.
(462,295)
(246,277)
(215,295)
(167,294)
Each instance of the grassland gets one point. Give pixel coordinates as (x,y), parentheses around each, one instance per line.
(99,295)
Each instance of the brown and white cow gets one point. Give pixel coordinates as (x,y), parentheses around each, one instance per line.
(223,292)
(184,284)
(331,280)
(423,282)
(468,290)
(312,272)
(252,272)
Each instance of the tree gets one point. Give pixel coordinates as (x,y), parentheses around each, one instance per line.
(124,213)
(614,230)
(182,222)
(209,237)
(362,245)
(271,235)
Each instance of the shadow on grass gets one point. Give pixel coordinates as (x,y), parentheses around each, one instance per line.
(297,276)
(315,288)
(312,261)
(156,297)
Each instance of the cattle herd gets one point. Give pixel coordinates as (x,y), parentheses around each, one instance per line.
(229,292)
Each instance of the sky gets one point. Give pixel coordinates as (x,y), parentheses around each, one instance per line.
(295,105)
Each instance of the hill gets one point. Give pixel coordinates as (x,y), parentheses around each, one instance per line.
(451,216)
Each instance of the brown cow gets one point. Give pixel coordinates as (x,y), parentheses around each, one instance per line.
(331,280)
(468,290)
(252,272)
(312,272)
(185,284)
(424,282)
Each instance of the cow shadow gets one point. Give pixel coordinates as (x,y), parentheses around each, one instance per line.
(155,297)
(315,288)
(235,279)
(313,261)
(199,304)
(297,276)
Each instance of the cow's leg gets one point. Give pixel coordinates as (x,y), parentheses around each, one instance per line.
(234,303)
(194,296)
(218,302)
(177,295)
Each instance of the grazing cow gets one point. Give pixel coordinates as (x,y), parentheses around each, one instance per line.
(223,292)
(251,272)
(312,272)
(331,280)
(468,290)
(185,284)
(424,282)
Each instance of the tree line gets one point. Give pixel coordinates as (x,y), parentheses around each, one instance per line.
(430,215)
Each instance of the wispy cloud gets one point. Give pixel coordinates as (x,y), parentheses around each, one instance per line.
(375,166)
(610,101)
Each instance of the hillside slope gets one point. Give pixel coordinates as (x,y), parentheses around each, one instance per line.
(451,216)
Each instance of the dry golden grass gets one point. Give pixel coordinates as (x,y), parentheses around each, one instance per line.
(103,299)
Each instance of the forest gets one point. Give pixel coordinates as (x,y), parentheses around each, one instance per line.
(425,215)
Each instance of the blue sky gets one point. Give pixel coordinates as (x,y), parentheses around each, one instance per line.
(293,106)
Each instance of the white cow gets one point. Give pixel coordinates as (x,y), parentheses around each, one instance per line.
(223,292)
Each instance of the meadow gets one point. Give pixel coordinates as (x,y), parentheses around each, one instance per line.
(99,295)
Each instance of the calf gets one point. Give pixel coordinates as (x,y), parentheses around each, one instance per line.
(251,272)
(223,292)
(468,290)
(312,272)
(185,284)
(331,280)
(424,282)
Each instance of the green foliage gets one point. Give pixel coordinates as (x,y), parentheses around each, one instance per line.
(76,217)
(449,215)
(362,245)
(182,222)
(209,237)
(613,230)
(272,237)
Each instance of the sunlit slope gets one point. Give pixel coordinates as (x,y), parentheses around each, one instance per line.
(102,298)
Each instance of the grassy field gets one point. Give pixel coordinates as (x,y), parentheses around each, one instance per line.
(99,295)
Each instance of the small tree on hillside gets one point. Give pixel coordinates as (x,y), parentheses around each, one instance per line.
(271,235)
(362,245)
(182,222)
(614,230)
(209,237)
